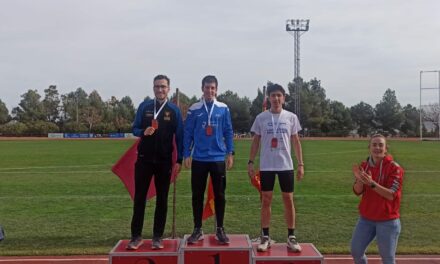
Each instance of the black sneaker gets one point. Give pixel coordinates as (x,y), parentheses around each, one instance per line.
(157,243)
(134,243)
(195,236)
(221,237)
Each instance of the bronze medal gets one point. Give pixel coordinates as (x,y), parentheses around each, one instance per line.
(154,124)
(209,130)
(274,142)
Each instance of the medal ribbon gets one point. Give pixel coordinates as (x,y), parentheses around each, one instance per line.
(278,123)
(160,109)
(209,112)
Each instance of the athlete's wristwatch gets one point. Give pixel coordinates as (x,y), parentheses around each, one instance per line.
(373,185)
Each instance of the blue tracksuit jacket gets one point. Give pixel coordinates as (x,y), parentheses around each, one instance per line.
(204,147)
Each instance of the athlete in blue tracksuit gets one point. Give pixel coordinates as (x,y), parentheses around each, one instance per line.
(157,122)
(208,135)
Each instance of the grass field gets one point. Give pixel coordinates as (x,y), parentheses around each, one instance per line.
(59,197)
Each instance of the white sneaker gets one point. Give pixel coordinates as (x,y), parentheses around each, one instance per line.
(293,245)
(265,244)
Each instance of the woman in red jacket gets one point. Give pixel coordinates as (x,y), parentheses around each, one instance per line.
(379,182)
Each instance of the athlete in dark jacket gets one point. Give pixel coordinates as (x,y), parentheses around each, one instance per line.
(157,122)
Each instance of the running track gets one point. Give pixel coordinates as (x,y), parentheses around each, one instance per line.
(103,259)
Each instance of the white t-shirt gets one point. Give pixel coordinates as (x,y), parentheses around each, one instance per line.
(287,123)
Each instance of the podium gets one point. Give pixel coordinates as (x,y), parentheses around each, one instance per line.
(279,253)
(240,250)
(208,251)
(145,255)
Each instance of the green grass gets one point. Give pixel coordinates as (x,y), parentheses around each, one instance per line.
(59,197)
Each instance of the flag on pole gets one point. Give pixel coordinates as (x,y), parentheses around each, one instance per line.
(124,169)
(209,209)
(256,182)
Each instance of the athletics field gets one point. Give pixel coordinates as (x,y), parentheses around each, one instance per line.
(59,197)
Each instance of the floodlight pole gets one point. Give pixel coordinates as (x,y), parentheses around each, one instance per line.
(297,27)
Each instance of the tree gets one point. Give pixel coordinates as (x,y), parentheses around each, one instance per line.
(13,128)
(431,114)
(296,85)
(127,109)
(73,105)
(51,104)
(388,113)
(362,115)
(92,113)
(91,116)
(41,128)
(95,100)
(256,105)
(122,114)
(314,105)
(30,108)
(411,121)
(4,113)
(239,109)
(339,121)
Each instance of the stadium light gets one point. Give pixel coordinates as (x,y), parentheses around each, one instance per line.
(297,27)
(297,24)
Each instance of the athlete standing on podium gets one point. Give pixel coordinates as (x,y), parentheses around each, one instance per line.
(157,122)
(209,136)
(276,129)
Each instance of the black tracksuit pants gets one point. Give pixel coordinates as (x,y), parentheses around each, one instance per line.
(144,171)
(199,176)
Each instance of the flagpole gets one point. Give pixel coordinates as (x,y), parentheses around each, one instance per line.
(173,228)
(261,195)
(215,212)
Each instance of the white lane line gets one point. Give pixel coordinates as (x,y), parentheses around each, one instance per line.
(54,167)
(335,152)
(320,153)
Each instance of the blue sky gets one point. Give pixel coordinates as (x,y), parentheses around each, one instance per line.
(357,49)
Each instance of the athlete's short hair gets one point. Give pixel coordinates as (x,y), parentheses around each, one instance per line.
(209,79)
(162,77)
(275,87)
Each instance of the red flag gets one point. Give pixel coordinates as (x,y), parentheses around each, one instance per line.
(256,181)
(209,209)
(124,169)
